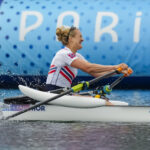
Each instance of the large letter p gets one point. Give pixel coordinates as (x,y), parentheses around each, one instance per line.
(23,29)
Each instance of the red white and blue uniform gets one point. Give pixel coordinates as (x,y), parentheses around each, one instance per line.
(61,73)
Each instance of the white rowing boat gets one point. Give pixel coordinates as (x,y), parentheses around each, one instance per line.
(76,108)
(94,114)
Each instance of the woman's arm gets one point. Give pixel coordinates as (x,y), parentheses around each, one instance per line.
(95,69)
(90,67)
(100,74)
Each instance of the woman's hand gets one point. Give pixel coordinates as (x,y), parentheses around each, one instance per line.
(125,69)
(123,66)
(127,72)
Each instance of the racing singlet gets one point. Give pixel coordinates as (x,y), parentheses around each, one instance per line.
(60,72)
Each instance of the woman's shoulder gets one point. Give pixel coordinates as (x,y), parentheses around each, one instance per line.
(80,55)
(62,51)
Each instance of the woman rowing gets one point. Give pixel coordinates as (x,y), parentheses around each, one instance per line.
(67,61)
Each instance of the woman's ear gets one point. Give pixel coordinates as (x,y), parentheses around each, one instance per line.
(70,39)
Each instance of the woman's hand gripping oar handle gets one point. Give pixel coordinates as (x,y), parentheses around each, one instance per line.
(129,72)
(118,71)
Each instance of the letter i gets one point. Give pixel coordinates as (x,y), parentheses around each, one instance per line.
(137,25)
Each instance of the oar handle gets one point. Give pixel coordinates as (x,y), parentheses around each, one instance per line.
(119,70)
(129,72)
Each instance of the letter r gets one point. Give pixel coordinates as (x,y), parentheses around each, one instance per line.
(108,29)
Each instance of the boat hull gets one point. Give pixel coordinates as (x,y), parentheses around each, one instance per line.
(95,114)
(75,108)
(67,100)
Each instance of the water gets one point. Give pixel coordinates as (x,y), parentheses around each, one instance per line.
(44,135)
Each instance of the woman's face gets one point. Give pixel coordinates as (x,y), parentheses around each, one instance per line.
(77,40)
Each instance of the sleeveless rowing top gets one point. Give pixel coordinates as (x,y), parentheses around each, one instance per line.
(60,72)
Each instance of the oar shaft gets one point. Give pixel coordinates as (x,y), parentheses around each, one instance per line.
(129,71)
(87,84)
(116,81)
(102,77)
(38,104)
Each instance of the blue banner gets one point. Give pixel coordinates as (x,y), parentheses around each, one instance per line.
(113,31)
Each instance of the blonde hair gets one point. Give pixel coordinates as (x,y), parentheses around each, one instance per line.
(63,34)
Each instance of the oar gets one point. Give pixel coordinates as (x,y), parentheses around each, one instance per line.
(120,79)
(75,88)
(108,88)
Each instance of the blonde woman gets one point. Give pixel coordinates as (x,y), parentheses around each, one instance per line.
(67,61)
